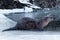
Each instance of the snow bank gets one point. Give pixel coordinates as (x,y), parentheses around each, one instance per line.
(5,11)
(27,2)
(18,35)
(31,37)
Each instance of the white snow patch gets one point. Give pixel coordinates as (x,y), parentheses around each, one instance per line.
(27,36)
(6,22)
(34,6)
(5,11)
(24,1)
(28,9)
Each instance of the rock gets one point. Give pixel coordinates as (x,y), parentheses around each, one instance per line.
(45,3)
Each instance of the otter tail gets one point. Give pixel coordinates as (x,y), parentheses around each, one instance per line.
(10,29)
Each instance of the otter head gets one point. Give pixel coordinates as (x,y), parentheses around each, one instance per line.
(47,19)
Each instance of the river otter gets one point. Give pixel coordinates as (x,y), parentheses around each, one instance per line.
(31,24)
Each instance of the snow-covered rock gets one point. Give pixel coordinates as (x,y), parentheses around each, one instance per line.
(24,1)
(31,5)
(34,6)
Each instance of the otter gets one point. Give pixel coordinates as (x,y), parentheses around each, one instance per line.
(27,23)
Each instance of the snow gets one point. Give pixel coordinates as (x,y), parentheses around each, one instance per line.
(25,9)
(22,35)
(28,9)
(30,37)
(5,11)
(6,22)
(27,2)
(34,6)
(24,1)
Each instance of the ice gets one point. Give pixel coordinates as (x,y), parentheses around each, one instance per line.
(29,15)
(6,22)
